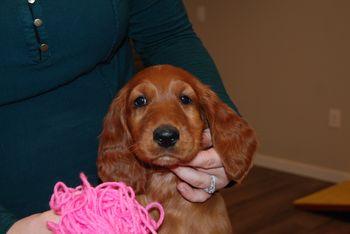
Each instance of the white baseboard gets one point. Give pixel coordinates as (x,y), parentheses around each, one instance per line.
(302,169)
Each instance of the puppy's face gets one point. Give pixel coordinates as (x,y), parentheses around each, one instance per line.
(164,118)
(159,116)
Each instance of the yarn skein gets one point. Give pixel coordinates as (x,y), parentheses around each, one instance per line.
(109,208)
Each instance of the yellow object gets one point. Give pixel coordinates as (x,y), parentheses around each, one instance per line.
(334,198)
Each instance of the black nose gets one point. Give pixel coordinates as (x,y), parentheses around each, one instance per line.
(166,136)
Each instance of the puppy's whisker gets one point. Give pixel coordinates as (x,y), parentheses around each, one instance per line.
(133,148)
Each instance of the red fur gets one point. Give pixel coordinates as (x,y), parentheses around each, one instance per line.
(128,153)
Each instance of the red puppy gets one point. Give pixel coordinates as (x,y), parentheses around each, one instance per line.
(155,123)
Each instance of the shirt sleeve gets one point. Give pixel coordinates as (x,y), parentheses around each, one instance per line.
(162,34)
(7,219)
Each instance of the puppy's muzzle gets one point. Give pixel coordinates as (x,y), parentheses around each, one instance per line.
(166,136)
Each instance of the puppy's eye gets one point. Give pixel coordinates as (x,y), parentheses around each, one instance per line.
(185,99)
(140,101)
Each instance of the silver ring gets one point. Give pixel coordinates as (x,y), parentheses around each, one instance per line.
(212,186)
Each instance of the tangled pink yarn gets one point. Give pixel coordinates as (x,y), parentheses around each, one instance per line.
(109,208)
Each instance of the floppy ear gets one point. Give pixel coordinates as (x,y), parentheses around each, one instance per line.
(115,161)
(232,137)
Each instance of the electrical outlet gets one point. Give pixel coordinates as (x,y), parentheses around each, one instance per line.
(334,118)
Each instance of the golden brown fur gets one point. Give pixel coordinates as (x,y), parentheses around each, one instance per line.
(129,151)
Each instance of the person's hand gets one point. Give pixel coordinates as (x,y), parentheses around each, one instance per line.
(34,224)
(197,174)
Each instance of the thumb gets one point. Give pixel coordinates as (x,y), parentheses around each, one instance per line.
(206,139)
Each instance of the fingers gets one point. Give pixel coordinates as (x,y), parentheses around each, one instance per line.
(196,175)
(36,224)
(195,178)
(50,215)
(206,139)
(194,181)
(206,159)
(192,194)
(193,184)
(200,178)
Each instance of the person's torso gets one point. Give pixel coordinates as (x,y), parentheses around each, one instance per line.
(61,63)
(44,44)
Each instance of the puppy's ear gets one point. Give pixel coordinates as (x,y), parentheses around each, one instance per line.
(115,161)
(232,137)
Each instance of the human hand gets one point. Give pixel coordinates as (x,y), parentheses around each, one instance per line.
(34,224)
(196,175)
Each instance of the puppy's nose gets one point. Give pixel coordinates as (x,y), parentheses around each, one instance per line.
(166,136)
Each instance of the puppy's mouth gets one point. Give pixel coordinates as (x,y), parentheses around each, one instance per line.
(165,161)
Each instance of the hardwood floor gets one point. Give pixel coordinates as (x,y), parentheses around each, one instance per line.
(263,203)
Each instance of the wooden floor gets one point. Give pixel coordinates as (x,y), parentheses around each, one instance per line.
(263,203)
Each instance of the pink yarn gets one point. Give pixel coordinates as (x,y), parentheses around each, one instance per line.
(109,208)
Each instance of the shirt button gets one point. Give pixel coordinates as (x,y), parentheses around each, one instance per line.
(38,22)
(44,47)
(31,1)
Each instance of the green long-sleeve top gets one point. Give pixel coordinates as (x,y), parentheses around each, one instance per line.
(61,63)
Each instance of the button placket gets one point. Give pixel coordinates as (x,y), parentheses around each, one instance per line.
(38,24)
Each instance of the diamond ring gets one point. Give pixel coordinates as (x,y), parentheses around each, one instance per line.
(211,188)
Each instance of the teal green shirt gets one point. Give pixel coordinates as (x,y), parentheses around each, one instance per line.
(58,76)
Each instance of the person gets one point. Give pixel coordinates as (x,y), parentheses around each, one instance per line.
(61,63)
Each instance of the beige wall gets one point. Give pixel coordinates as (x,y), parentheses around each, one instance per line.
(285,63)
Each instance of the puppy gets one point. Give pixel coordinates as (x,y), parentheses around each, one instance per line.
(155,123)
